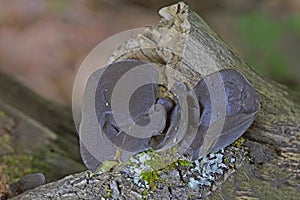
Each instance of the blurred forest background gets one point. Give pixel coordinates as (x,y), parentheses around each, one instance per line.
(43,42)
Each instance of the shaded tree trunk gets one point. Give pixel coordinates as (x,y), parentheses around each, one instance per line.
(269,169)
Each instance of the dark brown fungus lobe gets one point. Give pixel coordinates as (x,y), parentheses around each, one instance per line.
(125,125)
(139,104)
(239,101)
(100,134)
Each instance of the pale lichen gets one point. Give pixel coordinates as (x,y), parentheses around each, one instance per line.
(204,171)
(144,171)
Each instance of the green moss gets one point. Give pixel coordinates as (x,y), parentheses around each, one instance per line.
(239,142)
(228,163)
(106,166)
(1,114)
(184,163)
(145,193)
(161,160)
(20,165)
(108,194)
(152,178)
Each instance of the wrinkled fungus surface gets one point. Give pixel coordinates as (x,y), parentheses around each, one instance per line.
(124,113)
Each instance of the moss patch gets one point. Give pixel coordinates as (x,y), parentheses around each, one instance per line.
(20,165)
(239,142)
(161,160)
(152,178)
(184,163)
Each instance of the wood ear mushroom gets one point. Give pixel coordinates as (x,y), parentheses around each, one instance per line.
(199,120)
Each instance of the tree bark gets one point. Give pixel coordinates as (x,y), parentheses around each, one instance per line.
(269,165)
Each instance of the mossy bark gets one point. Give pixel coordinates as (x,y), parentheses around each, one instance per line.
(269,169)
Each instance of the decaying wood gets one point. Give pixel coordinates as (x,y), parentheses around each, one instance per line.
(270,170)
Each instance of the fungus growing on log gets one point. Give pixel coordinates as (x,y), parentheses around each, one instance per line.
(126,111)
